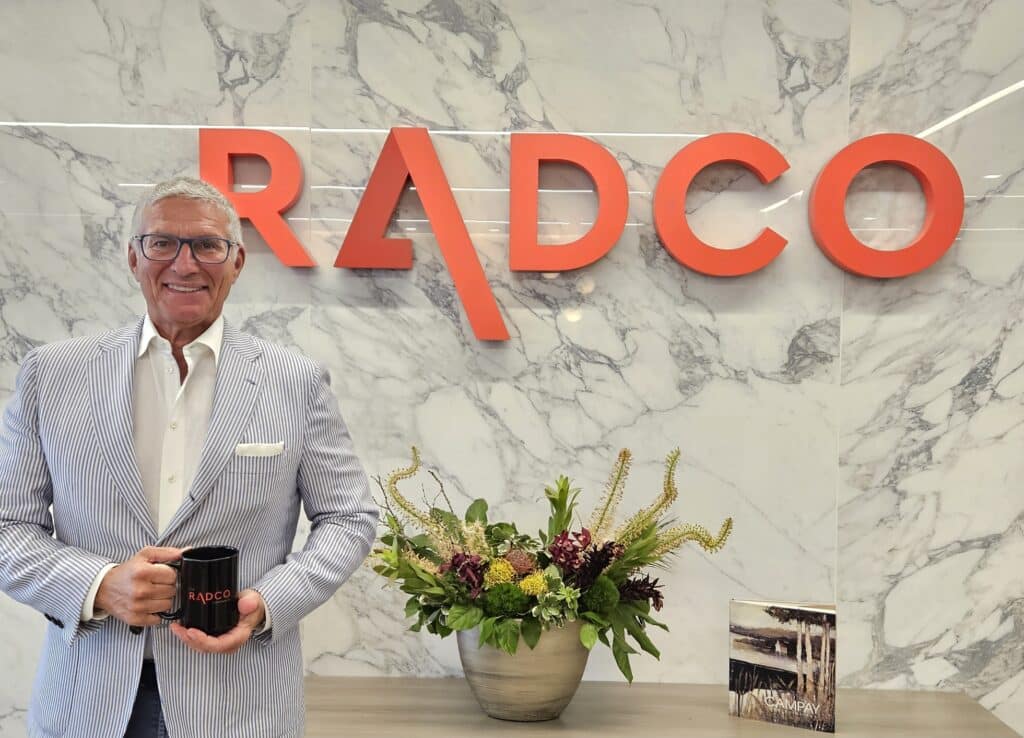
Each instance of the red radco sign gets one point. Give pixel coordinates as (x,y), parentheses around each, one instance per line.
(409,154)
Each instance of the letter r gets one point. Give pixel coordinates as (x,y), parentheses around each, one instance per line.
(264,208)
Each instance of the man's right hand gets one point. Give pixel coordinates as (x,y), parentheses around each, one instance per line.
(142,585)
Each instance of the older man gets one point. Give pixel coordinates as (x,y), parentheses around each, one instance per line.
(119,451)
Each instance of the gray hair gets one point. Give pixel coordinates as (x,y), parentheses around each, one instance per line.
(192,189)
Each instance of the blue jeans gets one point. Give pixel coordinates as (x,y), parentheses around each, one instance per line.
(147,720)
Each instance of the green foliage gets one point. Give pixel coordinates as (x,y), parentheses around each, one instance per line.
(559,604)
(501,633)
(477,512)
(503,537)
(588,635)
(506,600)
(530,630)
(562,498)
(602,597)
(464,617)
(641,552)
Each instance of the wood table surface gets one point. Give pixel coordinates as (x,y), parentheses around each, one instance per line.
(357,707)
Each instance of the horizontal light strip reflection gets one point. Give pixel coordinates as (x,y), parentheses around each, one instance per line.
(467,220)
(153,184)
(358,188)
(435,132)
(449,132)
(143,126)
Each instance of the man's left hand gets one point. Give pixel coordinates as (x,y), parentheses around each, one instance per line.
(251,614)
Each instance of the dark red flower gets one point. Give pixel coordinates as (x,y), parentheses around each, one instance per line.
(469,569)
(633,590)
(567,549)
(595,560)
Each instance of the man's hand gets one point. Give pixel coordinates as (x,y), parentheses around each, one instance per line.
(251,614)
(142,585)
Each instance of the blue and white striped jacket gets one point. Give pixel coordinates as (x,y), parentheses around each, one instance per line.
(66,440)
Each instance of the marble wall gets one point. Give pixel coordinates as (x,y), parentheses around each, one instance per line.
(862,433)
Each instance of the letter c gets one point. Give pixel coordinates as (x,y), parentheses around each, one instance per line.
(758,156)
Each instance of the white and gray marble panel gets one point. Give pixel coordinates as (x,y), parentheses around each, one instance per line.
(930,514)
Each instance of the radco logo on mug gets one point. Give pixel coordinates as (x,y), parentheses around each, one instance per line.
(208,597)
(409,154)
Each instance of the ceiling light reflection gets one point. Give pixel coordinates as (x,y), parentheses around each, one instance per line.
(984,102)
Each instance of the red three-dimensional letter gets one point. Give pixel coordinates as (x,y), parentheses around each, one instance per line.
(670,199)
(944,203)
(528,151)
(408,153)
(264,208)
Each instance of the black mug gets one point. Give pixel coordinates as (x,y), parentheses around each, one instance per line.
(207,589)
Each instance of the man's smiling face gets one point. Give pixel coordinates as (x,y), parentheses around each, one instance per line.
(185,296)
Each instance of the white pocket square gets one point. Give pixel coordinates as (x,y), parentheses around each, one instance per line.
(259,449)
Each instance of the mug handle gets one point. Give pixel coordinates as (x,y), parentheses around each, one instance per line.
(174,615)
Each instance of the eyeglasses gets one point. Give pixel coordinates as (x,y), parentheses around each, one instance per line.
(205,249)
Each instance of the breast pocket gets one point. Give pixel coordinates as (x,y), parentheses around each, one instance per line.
(258,458)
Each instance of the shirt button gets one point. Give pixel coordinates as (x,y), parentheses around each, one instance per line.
(174,426)
(170,370)
(171,479)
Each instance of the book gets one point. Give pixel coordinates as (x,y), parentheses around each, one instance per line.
(782,663)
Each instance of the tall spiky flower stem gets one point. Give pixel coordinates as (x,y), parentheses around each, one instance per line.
(636,525)
(475,534)
(406,507)
(676,536)
(603,516)
(439,536)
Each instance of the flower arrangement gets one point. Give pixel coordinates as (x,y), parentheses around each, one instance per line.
(464,572)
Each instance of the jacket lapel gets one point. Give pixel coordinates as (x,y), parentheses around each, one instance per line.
(239,378)
(111,375)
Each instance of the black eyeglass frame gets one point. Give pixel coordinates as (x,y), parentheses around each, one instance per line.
(181,242)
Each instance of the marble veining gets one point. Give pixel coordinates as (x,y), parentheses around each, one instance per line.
(930,520)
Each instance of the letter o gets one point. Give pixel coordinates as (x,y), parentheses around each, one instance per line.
(944,203)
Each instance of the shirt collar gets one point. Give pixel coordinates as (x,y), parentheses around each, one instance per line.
(212,337)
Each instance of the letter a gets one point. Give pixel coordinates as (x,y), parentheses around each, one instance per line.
(408,153)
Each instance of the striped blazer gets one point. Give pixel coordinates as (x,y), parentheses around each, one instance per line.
(66,441)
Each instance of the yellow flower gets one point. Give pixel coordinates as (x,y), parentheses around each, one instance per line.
(535,584)
(499,572)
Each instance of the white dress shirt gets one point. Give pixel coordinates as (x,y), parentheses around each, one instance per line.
(170,420)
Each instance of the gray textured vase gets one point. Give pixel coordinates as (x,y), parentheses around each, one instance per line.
(529,685)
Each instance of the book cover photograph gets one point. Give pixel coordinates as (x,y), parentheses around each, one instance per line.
(782,663)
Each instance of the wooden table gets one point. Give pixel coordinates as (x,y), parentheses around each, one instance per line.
(353,707)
